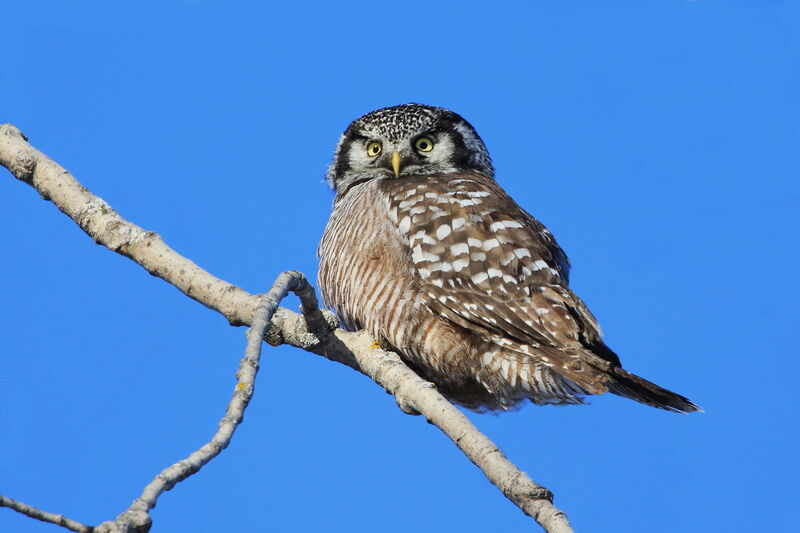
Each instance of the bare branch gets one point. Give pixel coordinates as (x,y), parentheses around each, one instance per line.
(44,516)
(137,517)
(413,394)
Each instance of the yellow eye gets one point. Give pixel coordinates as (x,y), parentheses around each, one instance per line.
(424,144)
(374,148)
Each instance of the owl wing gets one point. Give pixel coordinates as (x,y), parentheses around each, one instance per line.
(485,264)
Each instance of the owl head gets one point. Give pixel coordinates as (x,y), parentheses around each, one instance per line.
(407,140)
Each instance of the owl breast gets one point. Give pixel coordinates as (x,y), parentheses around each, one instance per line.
(363,265)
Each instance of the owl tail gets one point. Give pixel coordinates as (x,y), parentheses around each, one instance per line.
(632,386)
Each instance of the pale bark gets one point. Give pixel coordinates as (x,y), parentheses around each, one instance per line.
(413,394)
(44,516)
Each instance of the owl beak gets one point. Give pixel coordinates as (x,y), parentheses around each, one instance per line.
(396,164)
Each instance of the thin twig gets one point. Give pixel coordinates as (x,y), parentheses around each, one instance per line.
(146,248)
(44,516)
(137,516)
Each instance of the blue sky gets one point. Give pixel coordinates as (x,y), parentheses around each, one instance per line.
(658,140)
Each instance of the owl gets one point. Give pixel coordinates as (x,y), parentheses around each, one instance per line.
(427,253)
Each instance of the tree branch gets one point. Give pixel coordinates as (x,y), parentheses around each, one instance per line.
(44,516)
(137,516)
(413,394)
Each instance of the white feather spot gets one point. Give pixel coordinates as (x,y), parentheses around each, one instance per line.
(494,273)
(443,231)
(443,266)
(501,224)
(458,222)
(522,252)
(506,368)
(460,264)
(460,248)
(480,277)
(524,374)
(405,224)
(538,265)
(468,202)
(405,204)
(418,255)
(490,244)
(423,236)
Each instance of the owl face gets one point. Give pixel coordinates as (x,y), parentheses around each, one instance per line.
(407,140)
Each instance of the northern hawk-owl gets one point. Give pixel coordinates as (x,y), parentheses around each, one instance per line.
(431,256)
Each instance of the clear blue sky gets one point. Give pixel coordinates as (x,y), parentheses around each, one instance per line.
(658,141)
